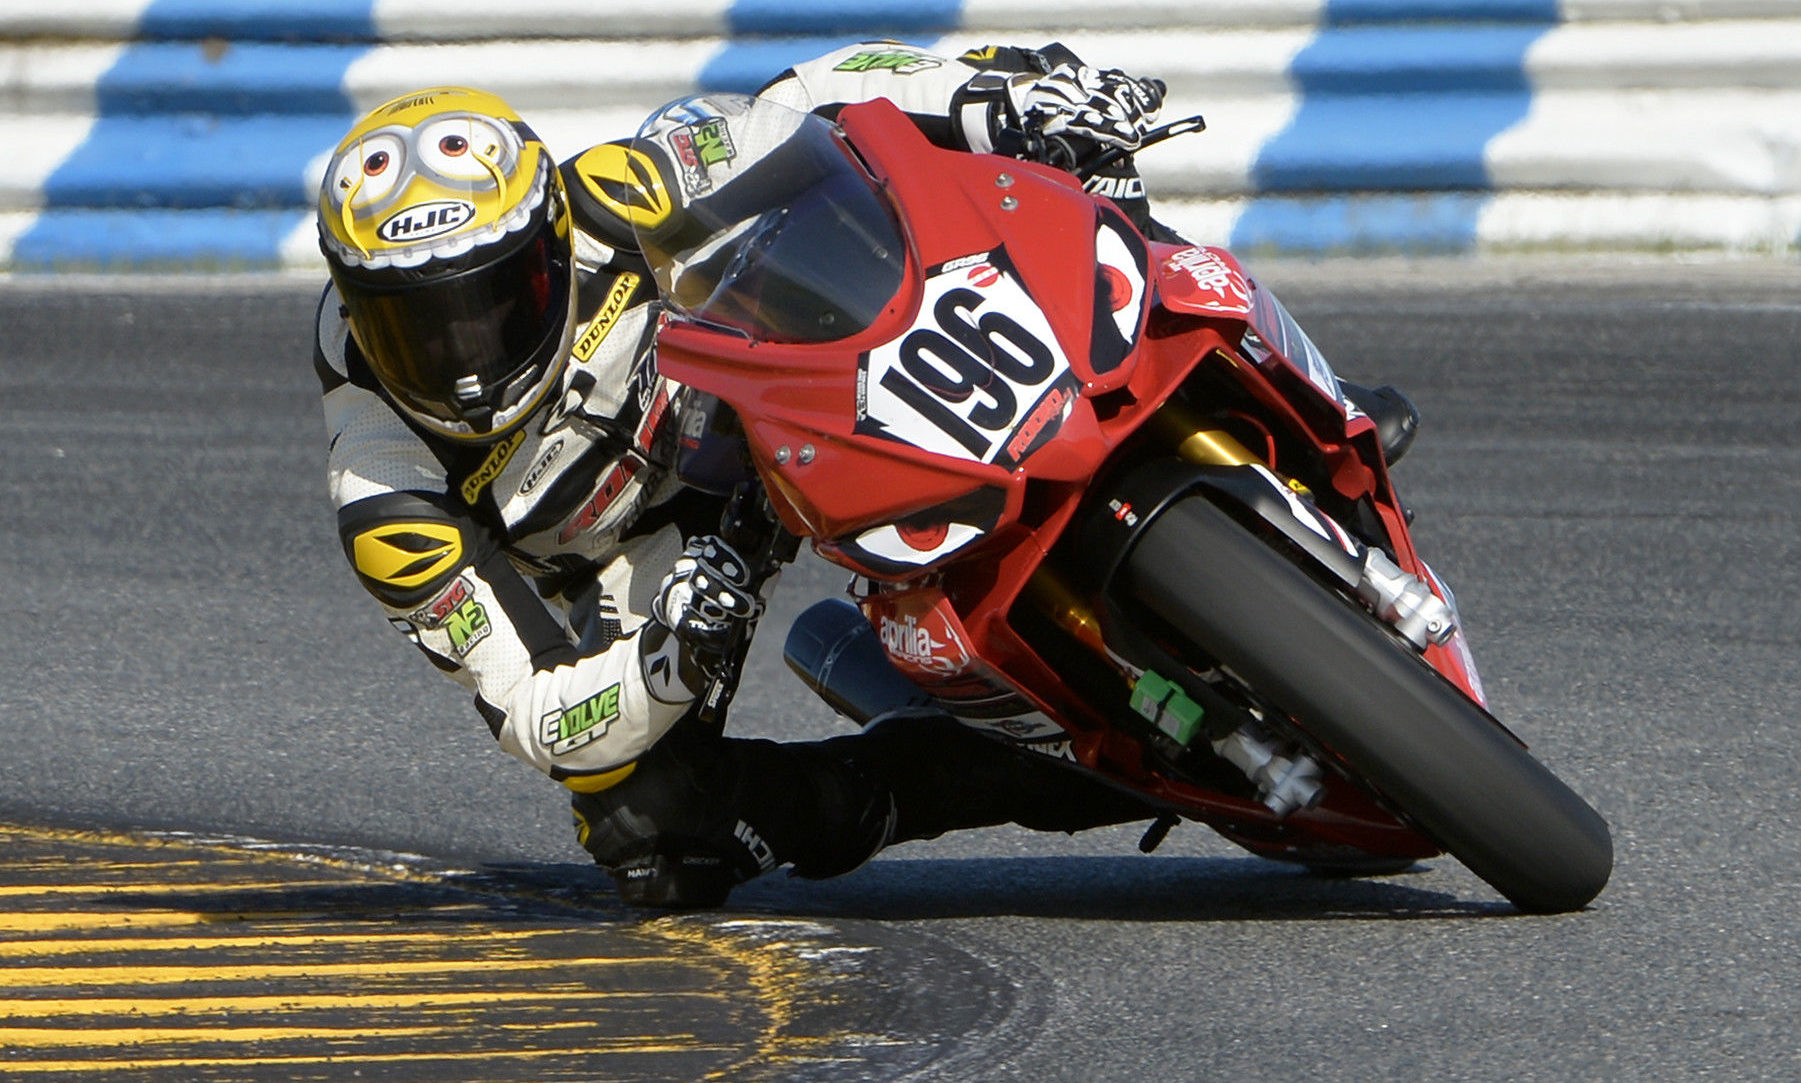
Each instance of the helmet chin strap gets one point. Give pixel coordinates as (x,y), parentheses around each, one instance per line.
(478,414)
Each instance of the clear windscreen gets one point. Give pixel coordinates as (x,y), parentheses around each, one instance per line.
(772,228)
(1272,321)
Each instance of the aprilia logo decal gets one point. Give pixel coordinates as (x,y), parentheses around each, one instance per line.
(908,641)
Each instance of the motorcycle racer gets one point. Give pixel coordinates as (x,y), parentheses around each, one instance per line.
(501,453)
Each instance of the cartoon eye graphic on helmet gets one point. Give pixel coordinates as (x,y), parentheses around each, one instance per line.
(465,148)
(369,169)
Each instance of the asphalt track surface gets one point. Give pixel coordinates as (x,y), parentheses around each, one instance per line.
(1609,477)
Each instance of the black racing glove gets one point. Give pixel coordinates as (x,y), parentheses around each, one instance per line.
(705,600)
(1108,108)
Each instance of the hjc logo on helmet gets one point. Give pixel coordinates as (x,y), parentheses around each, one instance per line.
(423,221)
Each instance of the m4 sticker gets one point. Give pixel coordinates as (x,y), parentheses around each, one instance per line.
(980,375)
(456,611)
(572,727)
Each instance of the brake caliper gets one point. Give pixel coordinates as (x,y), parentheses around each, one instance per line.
(1404,601)
(1285,781)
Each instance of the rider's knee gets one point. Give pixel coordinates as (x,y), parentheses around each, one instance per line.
(665,840)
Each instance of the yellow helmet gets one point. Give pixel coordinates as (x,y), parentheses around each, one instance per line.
(443,220)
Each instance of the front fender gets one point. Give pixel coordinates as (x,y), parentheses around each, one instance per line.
(1126,505)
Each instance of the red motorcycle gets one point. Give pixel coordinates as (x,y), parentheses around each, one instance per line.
(1100,494)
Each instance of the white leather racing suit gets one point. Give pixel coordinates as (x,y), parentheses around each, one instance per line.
(526,568)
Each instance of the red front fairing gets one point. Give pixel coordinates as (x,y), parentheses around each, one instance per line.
(796,397)
(954,537)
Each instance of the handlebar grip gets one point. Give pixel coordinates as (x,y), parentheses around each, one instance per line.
(750,526)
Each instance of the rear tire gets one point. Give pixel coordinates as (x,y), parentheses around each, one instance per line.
(1394,722)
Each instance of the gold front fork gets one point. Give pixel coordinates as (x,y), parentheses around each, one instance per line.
(1053,597)
(1176,427)
(1201,446)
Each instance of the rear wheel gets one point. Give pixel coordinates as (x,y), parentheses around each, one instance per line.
(1391,720)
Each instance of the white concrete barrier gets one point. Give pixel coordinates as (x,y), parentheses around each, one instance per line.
(190,133)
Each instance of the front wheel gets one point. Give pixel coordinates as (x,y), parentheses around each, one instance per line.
(1391,720)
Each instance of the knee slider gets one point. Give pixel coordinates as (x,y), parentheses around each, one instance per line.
(675,882)
(664,842)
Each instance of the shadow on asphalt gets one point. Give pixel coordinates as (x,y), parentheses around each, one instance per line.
(1121,888)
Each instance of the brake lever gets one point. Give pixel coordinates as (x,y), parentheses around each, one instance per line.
(1085,170)
(1029,142)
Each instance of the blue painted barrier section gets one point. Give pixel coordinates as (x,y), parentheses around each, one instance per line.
(1461,12)
(185,141)
(1385,143)
(1363,59)
(209,239)
(259,20)
(209,119)
(1399,222)
(1385,107)
(851,19)
(194,161)
(244,78)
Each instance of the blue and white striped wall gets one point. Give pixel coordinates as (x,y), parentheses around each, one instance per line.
(190,133)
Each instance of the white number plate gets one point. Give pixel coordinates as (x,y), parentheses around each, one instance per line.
(979,375)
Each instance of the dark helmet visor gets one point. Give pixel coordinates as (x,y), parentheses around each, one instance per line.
(464,347)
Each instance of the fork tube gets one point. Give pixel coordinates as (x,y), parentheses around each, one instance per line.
(1052,596)
(1193,442)
(1199,445)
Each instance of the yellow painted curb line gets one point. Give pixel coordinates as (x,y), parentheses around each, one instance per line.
(184,958)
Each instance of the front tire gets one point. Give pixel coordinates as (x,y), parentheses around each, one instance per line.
(1392,721)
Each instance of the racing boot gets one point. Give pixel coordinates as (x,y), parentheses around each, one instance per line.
(945,776)
(942,775)
(699,814)
(1396,418)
